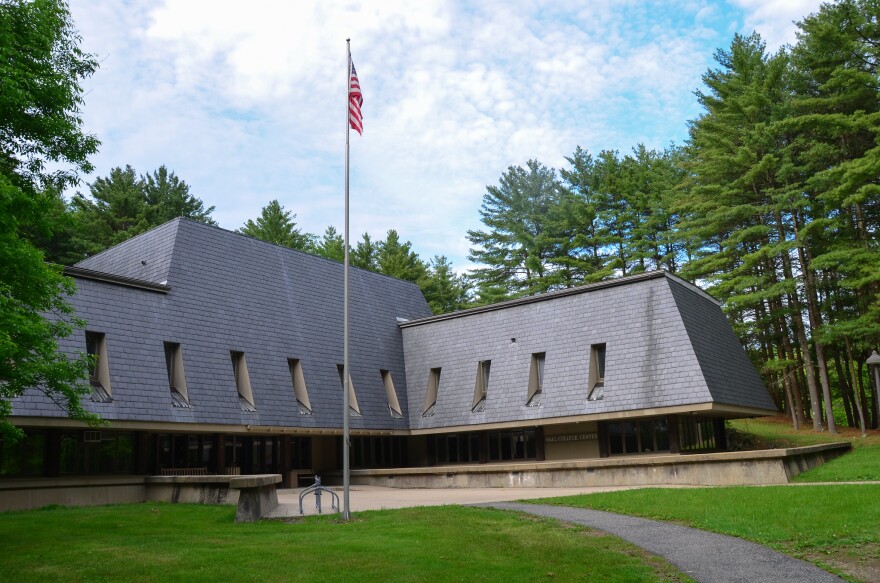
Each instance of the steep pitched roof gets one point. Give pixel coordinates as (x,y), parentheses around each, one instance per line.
(668,344)
(146,257)
(226,292)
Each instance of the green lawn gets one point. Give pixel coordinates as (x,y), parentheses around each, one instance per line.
(161,542)
(861,464)
(835,526)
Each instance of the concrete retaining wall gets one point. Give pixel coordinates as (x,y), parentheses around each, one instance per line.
(777,466)
(36,493)
(715,469)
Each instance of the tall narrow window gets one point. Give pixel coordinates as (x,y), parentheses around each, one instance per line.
(354,409)
(391,395)
(243,382)
(176,376)
(99,370)
(597,372)
(481,386)
(299,386)
(536,380)
(431,393)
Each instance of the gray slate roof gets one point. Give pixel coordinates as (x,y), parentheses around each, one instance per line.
(231,292)
(214,291)
(667,344)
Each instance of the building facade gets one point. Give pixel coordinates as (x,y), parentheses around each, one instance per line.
(219,353)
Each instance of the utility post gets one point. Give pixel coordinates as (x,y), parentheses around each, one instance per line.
(873,363)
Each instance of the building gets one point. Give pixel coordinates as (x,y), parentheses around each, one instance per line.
(220,353)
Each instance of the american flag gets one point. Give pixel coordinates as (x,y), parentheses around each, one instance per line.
(355,100)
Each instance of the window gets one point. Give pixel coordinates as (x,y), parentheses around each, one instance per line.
(391,395)
(597,372)
(176,376)
(431,393)
(536,380)
(99,369)
(354,409)
(243,382)
(481,386)
(696,433)
(299,386)
(646,436)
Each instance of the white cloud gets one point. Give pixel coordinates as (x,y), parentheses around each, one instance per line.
(775,20)
(245,101)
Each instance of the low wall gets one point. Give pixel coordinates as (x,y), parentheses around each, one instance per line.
(191,489)
(81,491)
(762,467)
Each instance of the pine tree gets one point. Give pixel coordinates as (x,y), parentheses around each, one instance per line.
(365,254)
(123,205)
(276,225)
(331,245)
(443,289)
(397,259)
(520,241)
(168,197)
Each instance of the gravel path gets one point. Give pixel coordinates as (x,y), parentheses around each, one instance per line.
(705,556)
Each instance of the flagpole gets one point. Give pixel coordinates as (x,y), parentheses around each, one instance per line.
(346,514)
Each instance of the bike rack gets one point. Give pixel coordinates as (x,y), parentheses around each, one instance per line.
(317,489)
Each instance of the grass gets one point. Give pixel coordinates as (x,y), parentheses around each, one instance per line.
(835,526)
(165,542)
(861,464)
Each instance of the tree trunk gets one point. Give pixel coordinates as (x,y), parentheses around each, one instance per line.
(858,399)
(815,324)
(845,392)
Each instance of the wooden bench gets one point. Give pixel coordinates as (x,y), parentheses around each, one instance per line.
(184,471)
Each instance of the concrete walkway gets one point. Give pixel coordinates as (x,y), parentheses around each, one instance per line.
(379,498)
(705,556)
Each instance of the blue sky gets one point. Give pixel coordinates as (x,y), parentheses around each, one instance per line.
(245,101)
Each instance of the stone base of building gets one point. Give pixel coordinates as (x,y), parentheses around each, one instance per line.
(764,467)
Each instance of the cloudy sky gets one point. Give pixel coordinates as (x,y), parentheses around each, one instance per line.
(246,101)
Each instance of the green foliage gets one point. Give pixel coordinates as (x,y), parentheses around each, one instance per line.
(331,245)
(123,205)
(443,289)
(167,197)
(519,242)
(819,523)
(155,542)
(41,67)
(862,463)
(365,254)
(397,259)
(276,225)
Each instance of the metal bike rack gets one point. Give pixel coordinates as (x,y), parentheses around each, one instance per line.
(317,489)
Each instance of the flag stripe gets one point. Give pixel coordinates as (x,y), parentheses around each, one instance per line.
(355,101)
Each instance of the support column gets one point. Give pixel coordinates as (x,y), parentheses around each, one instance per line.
(720,434)
(602,432)
(141,453)
(52,454)
(220,454)
(674,438)
(285,463)
(539,444)
(484,447)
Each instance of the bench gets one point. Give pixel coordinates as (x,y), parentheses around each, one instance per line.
(184,471)
(256,494)
(301,478)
